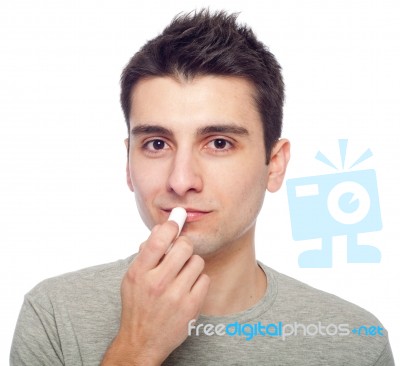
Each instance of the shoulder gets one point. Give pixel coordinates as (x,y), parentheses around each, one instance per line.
(62,313)
(310,300)
(337,323)
(103,280)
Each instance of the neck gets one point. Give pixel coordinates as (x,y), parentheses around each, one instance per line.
(237,282)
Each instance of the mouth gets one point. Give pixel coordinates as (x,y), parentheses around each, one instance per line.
(192,214)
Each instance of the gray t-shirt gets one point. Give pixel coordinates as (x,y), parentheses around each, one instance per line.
(71,320)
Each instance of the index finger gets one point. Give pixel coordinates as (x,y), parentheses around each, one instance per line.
(156,245)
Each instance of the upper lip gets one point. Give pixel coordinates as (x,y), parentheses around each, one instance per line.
(188,209)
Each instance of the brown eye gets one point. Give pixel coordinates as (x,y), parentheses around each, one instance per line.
(220,146)
(220,143)
(158,144)
(154,145)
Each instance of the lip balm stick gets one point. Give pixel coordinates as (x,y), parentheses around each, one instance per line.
(179,215)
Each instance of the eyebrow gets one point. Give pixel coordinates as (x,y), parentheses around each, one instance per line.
(148,129)
(230,128)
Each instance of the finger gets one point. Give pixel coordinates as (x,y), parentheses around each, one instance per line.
(140,247)
(199,292)
(190,273)
(175,259)
(154,230)
(156,245)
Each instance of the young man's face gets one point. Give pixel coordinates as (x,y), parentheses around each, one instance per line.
(199,144)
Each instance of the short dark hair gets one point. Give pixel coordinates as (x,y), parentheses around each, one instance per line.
(204,43)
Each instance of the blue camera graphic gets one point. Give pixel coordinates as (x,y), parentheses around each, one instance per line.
(345,203)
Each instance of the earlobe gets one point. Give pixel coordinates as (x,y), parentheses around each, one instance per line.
(128,172)
(280,156)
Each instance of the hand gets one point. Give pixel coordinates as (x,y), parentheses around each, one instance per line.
(161,292)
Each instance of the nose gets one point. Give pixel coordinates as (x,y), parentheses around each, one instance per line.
(185,174)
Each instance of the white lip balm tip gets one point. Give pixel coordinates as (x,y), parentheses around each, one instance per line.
(179,215)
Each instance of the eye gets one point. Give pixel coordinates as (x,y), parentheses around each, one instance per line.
(155,145)
(220,144)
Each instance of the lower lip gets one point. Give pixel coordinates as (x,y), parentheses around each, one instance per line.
(195,216)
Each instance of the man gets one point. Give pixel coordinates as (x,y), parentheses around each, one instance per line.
(203,105)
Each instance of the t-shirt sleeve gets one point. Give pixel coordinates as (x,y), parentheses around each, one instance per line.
(386,357)
(35,341)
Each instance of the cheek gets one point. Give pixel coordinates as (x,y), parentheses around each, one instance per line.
(252,190)
(142,184)
(146,182)
(250,175)
(145,176)
(244,188)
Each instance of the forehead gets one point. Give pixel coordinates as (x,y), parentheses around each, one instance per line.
(200,101)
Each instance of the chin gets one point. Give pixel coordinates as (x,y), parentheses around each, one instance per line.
(207,251)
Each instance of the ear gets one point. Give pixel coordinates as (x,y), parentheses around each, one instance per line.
(128,172)
(279,160)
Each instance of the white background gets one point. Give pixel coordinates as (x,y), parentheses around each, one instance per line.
(64,203)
